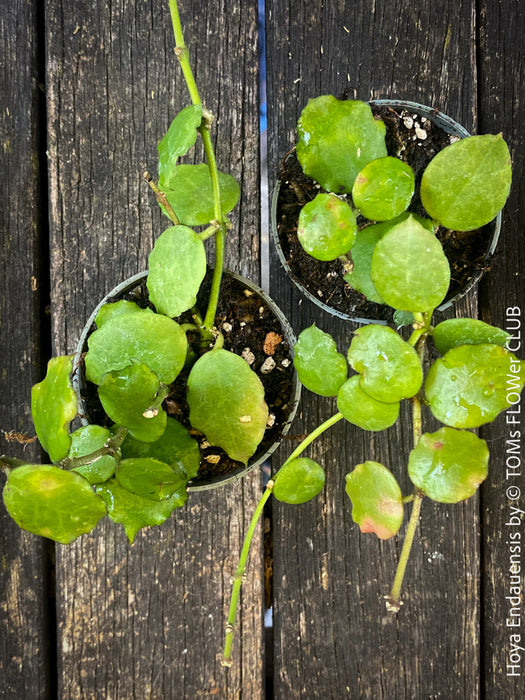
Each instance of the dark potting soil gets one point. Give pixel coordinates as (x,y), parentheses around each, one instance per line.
(250,330)
(466,251)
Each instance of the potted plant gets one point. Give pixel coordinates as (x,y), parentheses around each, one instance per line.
(183,376)
(410,136)
(458,370)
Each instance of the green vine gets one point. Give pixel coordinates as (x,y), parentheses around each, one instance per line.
(241,568)
(220,224)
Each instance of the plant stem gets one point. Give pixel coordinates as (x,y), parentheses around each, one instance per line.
(9,463)
(213,300)
(208,232)
(347,262)
(110,448)
(393,602)
(239,574)
(417,425)
(312,436)
(418,339)
(161,198)
(182,54)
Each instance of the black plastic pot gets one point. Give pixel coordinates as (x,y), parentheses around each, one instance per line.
(133,283)
(448,125)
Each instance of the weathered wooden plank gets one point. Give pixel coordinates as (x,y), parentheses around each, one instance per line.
(502,108)
(147,621)
(333,635)
(24,657)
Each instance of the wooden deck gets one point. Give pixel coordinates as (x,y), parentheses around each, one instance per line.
(86,90)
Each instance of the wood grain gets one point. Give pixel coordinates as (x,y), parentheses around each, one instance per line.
(502,109)
(147,621)
(334,637)
(24,657)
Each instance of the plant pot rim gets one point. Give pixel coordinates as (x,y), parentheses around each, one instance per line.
(133,281)
(450,126)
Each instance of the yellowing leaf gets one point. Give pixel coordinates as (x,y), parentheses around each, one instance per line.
(53,406)
(377,504)
(51,502)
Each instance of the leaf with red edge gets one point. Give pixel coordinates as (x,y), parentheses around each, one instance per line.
(377,503)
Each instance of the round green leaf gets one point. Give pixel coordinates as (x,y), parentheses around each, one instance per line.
(175,446)
(383,189)
(360,276)
(53,407)
(327,227)
(321,368)
(362,410)
(226,401)
(471,384)
(177,265)
(150,478)
(377,504)
(116,308)
(153,339)
(467,183)
(189,191)
(298,481)
(337,138)
(135,512)
(409,268)
(178,140)
(466,331)
(449,465)
(389,367)
(51,502)
(85,441)
(132,397)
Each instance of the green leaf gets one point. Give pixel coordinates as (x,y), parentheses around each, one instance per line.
(383,189)
(403,318)
(327,227)
(178,140)
(449,465)
(409,268)
(132,397)
(51,502)
(177,265)
(337,138)
(53,406)
(298,481)
(377,504)
(321,368)
(189,191)
(360,276)
(389,367)
(471,384)
(226,401)
(176,447)
(466,331)
(150,478)
(362,410)
(116,308)
(85,441)
(135,512)
(467,183)
(153,339)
